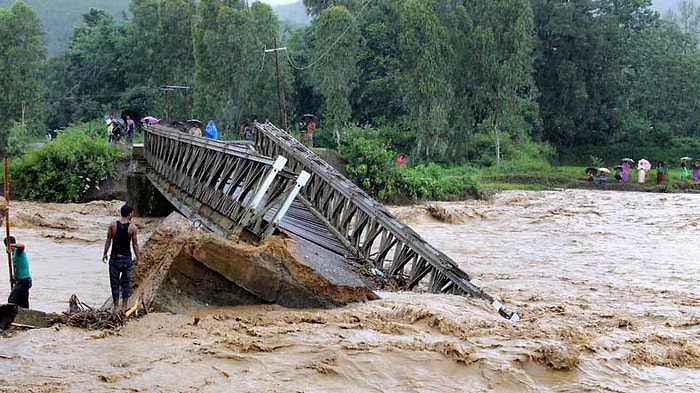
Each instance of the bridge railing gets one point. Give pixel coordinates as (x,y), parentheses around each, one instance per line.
(366,225)
(225,184)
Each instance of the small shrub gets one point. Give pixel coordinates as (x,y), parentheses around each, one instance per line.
(369,162)
(433,182)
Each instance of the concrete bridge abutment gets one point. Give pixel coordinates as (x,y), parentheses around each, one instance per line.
(146,200)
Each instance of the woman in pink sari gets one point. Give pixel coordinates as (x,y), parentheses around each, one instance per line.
(642,167)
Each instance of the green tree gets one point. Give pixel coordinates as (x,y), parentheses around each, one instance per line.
(316,7)
(426,88)
(379,96)
(261,100)
(142,42)
(228,56)
(501,53)
(22,53)
(96,78)
(335,71)
(663,99)
(687,19)
(586,50)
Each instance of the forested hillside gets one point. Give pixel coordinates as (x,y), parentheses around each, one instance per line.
(59,17)
(443,81)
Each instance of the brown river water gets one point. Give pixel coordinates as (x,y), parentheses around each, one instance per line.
(605,283)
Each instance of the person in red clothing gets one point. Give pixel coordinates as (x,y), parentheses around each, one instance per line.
(400,160)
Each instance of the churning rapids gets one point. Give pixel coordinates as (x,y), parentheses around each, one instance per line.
(605,283)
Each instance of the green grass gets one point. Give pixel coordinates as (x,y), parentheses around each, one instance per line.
(496,179)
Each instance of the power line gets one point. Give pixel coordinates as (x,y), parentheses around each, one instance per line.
(252,19)
(331,46)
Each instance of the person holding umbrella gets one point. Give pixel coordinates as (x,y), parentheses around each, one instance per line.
(590,173)
(626,169)
(195,125)
(642,167)
(618,173)
(150,120)
(684,167)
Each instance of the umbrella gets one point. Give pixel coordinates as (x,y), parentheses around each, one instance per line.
(195,121)
(627,159)
(115,116)
(149,120)
(604,170)
(644,164)
(686,158)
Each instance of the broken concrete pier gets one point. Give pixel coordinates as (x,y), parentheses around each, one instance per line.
(183,267)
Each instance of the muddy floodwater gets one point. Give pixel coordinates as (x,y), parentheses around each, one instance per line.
(606,284)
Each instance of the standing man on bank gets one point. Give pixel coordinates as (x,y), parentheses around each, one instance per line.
(20,272)
(122,237)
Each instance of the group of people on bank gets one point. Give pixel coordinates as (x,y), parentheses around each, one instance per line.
(622,171)
(120,128)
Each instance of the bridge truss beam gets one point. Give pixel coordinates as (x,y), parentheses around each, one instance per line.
(219,183)
(373,233)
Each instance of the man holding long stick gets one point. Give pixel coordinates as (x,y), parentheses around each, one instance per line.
(22,280)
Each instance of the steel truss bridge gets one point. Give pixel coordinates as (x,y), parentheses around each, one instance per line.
(274,183)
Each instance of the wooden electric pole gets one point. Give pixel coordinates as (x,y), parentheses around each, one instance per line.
(280,96)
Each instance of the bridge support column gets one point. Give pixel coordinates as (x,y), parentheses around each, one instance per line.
(146,200)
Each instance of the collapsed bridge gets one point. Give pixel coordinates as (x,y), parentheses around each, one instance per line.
(274,184)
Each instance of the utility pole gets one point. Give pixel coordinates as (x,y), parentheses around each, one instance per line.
(280,97)
(168,88)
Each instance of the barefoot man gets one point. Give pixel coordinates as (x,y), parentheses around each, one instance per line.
(122,236)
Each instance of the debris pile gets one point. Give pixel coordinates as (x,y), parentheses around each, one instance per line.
(83,316)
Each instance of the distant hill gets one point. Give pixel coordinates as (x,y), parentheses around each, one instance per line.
(293,14)
(60,16)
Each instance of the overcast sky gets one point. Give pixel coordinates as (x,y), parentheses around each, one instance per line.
(276,2)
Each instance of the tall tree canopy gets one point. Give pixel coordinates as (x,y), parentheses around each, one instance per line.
(22,53)
(335,73)
(448,81)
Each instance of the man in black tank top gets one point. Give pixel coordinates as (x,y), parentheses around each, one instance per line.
(122,237)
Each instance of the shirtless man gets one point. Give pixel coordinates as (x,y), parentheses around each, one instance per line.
(122,237)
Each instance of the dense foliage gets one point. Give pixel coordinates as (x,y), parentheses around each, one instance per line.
(454,82)
(64,169)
